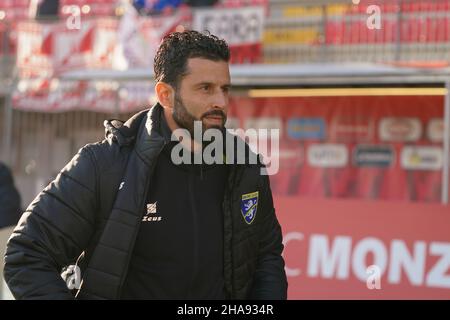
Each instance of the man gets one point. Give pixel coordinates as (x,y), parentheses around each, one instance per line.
(149,228)
(9,199)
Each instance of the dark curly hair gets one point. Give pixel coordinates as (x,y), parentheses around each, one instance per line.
(176,48)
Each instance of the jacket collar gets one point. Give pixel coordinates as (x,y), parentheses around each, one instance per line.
(150,138)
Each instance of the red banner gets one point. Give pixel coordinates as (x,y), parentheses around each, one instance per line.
(383,148)
(241,27)
(46,49)
(353,147)
(331,244)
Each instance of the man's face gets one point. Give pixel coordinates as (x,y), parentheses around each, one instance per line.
(202,95)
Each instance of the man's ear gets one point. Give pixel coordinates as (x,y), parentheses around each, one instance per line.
(165,94)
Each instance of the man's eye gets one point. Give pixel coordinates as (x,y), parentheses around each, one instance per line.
(205,88)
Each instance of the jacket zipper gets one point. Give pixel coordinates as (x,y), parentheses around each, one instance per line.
(195,227)
(142,208)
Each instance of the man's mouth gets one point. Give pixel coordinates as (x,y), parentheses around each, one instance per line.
(214,117)
(216,120)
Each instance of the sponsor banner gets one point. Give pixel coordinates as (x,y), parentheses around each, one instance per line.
(328,155)
(73,46)
(379,156)
(276,36)
(345,128)
(238,26)
(264,123)
(105,41)
(435,130)
(306,128)
(52,95)
(45,49)
(401,129)
(297,11)
(365,250)
(375,171)
(92,46)
(422,158)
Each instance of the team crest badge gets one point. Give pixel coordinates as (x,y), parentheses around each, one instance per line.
(249,204)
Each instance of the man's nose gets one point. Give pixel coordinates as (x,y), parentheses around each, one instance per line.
(221,100)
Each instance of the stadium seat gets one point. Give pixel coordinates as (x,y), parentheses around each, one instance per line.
(367,182)
(394,184)
(426,185)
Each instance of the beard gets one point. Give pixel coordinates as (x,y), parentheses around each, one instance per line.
(185,119)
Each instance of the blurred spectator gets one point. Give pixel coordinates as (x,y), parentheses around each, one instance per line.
(161,5)
(10,210)
(201,3)
(139,4)
(47,8)
(158,6)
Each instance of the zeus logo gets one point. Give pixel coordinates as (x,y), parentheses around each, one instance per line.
(151,212)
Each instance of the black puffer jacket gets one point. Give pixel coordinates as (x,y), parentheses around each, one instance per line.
(83,210)
(9,199)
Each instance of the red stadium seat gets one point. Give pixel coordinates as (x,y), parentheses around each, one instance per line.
(340,182)
(425,185)
(311,182)
(368,182)
(394,184)
(390,34)
(441,29)
(335,32)
(354,33)
(390,7)
(365,35)
(286,181)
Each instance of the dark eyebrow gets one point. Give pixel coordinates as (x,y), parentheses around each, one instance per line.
(201,84)
(228,85)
